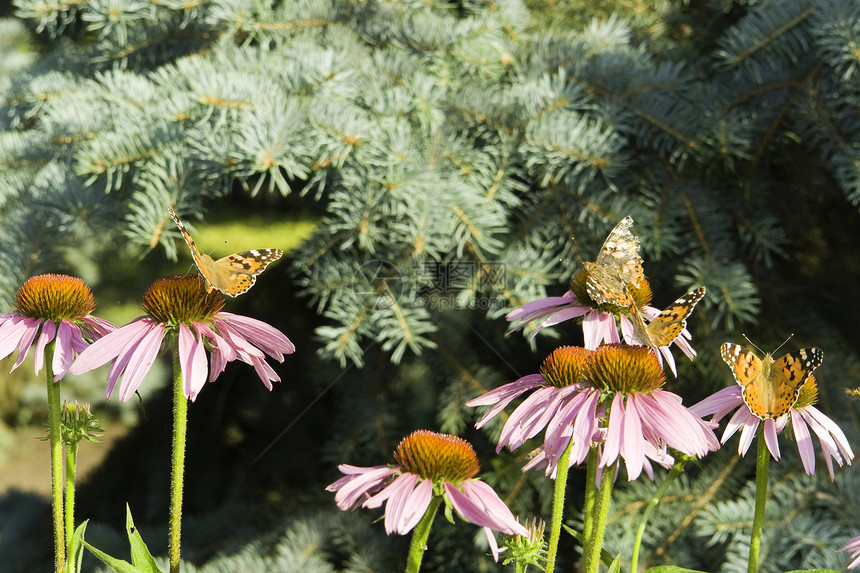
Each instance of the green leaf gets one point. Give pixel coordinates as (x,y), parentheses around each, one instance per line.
(117,565)
(615,566)
(672,569)
(142,561)
(76,550)
(140,555)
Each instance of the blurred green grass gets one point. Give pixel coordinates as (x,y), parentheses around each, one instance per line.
(250,232)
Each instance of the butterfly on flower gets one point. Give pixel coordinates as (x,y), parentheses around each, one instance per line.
(233,274)
(617,266)
(667,325)
(771,387)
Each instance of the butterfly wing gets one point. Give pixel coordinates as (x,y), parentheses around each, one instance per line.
(235,274)
(231,275)
(669,324)
(617,265)
(788,376)
(771,387)
(202,261)
(745,365)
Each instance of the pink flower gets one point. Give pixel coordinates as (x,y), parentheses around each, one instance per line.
(854,548)
(803,416)
(572,395)
(51,308)
(179,309)
(599,324)
(429,464)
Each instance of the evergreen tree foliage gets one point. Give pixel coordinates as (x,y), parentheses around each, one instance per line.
(462,158)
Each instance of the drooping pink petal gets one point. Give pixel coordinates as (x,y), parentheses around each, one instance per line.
(378,499)
(64,349)
(397,510)
(834,430)
(540,305)
(853,547)
(666,354)
(243,349)
(503,395)
(97,327)
(141,359)
(612,445)
(598,327)
(491,540)
(804,443)
(666,419)
(719,403)
(506,392)
(192,362)
(478,503)
(268,338)
(770,438)
(559,316)
(576,420)
(529,418)
(12,329)
(266,373)
(49,331)
(221,352)
(359,484)
(24,343)
(748,425)
(415,507)
(631,441)
(831,437)
(553,310)
(109,346)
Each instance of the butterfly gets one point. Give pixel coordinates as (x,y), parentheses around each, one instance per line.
(771,387)
(233,274)
(617,265)
(667,325)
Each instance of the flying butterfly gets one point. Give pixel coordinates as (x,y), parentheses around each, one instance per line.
(667,325)
(233,274)
(771,387)
(618,265)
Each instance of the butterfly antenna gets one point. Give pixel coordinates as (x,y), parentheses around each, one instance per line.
(783,343)
(753,343)
(762,351)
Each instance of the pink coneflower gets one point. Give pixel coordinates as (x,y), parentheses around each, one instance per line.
(429,465)
(610,397)
(853,547)
(803,416)
(55,308)
(600,321)
(562,403)
(179,309)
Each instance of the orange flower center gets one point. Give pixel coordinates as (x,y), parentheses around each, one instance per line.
(565,365)
(624,368)
(437,457)
(808,393)
(55,297)
(181,298)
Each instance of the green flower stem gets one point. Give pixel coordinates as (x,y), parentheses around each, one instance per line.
(590,499)
(761,469)
(592,558)
(557,507)
(673,474)
(420,535)
(71,463)
(54,434)
(180,423)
